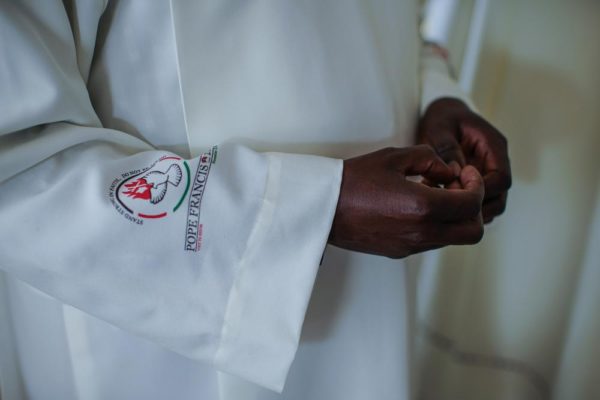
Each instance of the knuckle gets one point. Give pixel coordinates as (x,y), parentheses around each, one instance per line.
(398,254)
(497,137)
(502,139)
(506,180)
(471,207)
(447,148)
(422,152)
(424,148)
(501,207)
(488,219)
(428,166)
(392,157)
(476,233)
(483,128)
(389,151)
(472,126)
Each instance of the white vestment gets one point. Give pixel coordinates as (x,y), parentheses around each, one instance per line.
(144,263)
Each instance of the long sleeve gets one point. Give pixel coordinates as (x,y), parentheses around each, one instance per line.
(436,78)
(213,257)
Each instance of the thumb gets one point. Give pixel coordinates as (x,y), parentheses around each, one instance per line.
(472,181)
(425,162)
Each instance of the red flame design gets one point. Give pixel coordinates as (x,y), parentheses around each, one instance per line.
(138,189)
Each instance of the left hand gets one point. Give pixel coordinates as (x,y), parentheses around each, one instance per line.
(458,134)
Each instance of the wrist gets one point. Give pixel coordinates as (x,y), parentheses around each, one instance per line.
(448,105)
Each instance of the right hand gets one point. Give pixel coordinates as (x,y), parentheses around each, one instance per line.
(380,212)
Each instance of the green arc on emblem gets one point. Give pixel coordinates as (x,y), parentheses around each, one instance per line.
(187,186)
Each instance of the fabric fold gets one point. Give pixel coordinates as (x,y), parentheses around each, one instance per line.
(274,281)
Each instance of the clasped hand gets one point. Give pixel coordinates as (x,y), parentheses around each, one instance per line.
(466,174)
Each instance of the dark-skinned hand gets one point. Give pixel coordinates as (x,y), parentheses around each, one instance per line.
(458,134)
(381,212)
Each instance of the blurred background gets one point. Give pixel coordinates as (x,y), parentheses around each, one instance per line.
(518,317)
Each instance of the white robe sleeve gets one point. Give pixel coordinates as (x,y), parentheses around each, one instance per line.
(437,80)
(213,257)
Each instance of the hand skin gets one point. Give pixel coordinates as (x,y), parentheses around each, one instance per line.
(380,212)
(460,135)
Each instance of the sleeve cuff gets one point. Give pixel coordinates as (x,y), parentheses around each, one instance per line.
(273,285)
(437,82)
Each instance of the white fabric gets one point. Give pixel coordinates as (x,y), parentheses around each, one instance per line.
(437,80)
(326,78)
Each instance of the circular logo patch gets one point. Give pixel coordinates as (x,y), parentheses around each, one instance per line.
(152,192)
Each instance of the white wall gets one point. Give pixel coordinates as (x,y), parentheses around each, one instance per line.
(520,313)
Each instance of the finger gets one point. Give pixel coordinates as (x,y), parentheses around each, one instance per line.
(496,183)
(467,232)
(456,203)
(470,232)
(472,181)
(455,184)
(493,207)
(488,152)
(425,162)
(447,147)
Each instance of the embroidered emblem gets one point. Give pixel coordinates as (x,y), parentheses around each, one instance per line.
(193,230)
(151,192)
(159,190)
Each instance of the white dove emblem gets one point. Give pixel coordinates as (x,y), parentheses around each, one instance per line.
(160,180)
